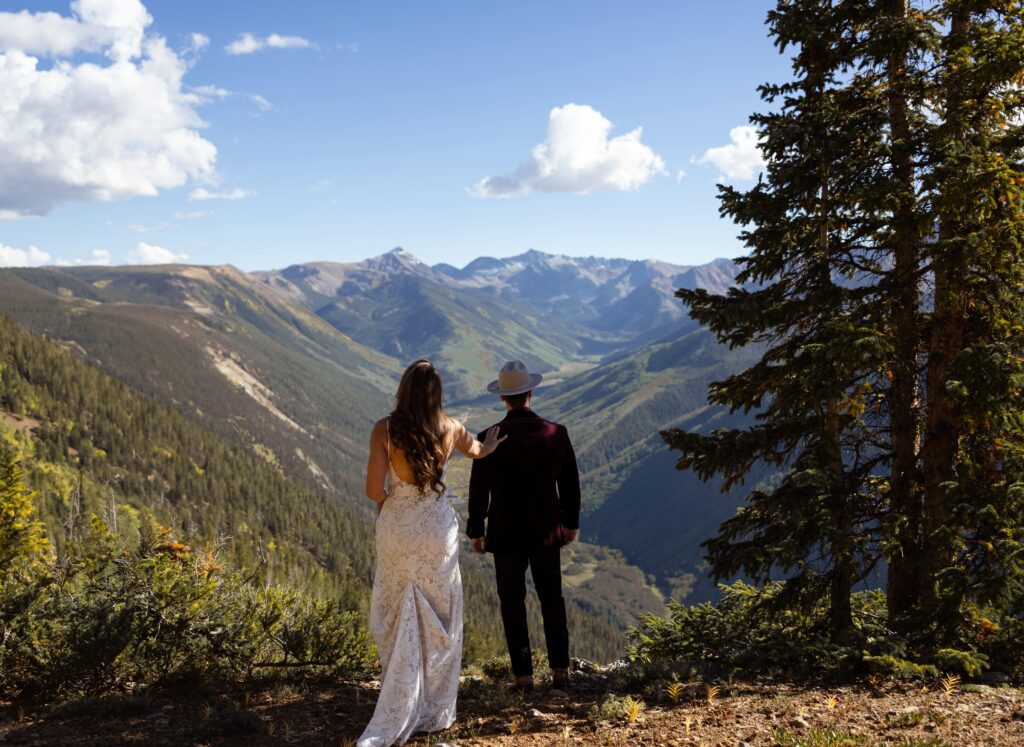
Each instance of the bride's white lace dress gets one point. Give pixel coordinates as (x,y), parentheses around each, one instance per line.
(415,614)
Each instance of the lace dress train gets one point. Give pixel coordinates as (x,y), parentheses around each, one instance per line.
(415,615)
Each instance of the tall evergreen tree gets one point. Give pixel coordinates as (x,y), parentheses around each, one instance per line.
(971,473)
(811,224)
(884,278)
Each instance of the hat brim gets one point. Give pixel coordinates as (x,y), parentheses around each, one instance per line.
(495,388)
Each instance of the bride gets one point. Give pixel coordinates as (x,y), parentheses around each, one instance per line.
(416,606)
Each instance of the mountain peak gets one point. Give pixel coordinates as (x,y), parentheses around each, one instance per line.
(397,257)
(532,255)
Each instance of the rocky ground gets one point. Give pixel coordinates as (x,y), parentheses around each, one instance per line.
(596,712)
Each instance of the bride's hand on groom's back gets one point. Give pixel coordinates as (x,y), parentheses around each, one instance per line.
(491,439)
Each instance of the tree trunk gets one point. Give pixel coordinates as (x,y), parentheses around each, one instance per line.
(947,338)
(904,574)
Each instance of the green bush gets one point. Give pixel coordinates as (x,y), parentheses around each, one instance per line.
(746,632)
(105,619)
(750,632)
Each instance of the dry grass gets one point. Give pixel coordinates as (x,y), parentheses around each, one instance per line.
(334,713)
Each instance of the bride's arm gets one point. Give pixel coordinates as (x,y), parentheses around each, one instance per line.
(377,465)
(472,448)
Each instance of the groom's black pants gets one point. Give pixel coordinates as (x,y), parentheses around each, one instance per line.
(546,569)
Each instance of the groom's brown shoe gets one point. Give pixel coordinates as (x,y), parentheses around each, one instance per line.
(521,685)
(560,679)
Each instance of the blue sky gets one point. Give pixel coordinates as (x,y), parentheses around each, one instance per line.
(361,127)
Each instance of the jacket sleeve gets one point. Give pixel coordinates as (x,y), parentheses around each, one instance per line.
(569,487)
(480,480)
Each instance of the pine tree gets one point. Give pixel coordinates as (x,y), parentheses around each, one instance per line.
(23,542)
(903,37)
(811,224)
(891,401)
(971,471)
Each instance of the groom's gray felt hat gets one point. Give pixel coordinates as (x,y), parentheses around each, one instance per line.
(513,378)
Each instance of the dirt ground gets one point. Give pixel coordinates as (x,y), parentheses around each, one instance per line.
(333,713)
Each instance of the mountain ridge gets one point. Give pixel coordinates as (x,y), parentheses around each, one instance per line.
(298,362)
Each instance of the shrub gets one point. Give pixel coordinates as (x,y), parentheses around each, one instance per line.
(751,632)
(616,708)
(107,619)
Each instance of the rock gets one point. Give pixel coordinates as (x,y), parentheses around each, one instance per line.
(583,665)
(800,722)
(902,711)
(557,693)
(534,713)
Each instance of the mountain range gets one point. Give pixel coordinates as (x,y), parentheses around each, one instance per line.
(295,364)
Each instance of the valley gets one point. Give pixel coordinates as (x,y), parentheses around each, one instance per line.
(294,365)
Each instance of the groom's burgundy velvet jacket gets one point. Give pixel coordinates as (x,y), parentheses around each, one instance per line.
(527,488)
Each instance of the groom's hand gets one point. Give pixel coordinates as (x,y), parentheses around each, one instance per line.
(479,545)
(570,535)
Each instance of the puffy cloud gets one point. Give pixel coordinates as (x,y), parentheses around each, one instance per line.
(148,254)
(205,194)
(247,43)
(116,26)
(100,257)
(91,131)
(31,257)
(578,157)
(198,42)
(740,159)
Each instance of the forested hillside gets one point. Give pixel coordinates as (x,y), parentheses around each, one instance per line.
(92,445)
(225,351)
(295,364)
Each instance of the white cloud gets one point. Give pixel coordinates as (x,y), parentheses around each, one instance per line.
(117,27)
(244,44)
(87,130)
(208,92)
(148,254)
(740,159)
(578,157)
(247,43)
(193,215)
(98,257)
(205,194)
(680,175)
(31,257)
(198,42)
(261,103)
(288,42)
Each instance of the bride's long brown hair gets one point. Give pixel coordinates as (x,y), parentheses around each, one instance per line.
(418,425)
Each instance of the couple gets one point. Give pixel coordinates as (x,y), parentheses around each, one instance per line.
(524,485)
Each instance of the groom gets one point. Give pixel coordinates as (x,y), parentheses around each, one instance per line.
(529,493)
